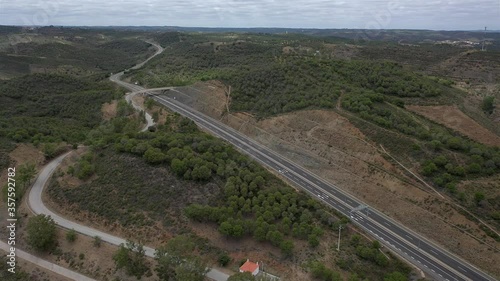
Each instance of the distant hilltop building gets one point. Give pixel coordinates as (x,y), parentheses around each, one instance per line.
(251,267)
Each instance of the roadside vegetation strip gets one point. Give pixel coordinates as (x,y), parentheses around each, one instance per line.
(227,136)
(267,81)
(46,264)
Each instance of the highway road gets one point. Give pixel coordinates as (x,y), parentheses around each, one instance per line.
(431,258)
(426,255)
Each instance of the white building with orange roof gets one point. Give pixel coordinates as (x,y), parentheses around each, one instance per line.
(251,267)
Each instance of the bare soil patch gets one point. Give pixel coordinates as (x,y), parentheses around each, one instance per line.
(27,153)
(454,118)
(109,110)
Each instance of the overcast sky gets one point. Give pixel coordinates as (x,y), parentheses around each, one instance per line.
(384,14)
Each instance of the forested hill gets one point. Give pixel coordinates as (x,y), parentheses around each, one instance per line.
(51,108)
(298,83)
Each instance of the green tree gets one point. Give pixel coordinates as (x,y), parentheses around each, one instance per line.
(97,241)
(287,248)
(71,235)
(201,173)
(454,143)
(149,103)
(224,259)
(178,166)
(488,104)
(191,269)
(131,257)
(49,150)
(321,272)
(175,260)
(436,145)
(41,233)
(395,276)
(354,277)
(155,116)
(478,197)
(429,169)
(474,168)
(154,155)
(380,259)
(226,228)
(355,239)
(313,240)
(25,173)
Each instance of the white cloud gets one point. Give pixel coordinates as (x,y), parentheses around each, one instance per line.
(430,14)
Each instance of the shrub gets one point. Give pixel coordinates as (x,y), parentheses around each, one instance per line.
(224,259)
(71,235)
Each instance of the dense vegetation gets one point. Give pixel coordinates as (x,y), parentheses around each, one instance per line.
(217,184)
(41,231)
(446,157)
(299,83)
(193,59)
(208,181)
(267,80)
(131,257)
(179,260)
(68,51)
(48,108)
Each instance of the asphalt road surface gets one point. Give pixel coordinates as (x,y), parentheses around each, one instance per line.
(149,118)
(38,207)
(431,258)
(424,254)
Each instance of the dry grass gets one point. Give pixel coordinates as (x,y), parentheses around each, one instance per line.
(109,110)
(453,118)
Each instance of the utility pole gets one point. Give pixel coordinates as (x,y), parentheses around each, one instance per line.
(338,245)
(483,47)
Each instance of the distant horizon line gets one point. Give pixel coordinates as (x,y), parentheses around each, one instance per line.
(253,27)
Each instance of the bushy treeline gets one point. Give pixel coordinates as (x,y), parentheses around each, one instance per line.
(167,38)
(247,201)
(47,108)
(446,157)
(188,61)
(293,83)
(83,56)
(254,202)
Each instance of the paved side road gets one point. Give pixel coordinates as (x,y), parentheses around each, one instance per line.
(37,206)
(149,119)
(47,265)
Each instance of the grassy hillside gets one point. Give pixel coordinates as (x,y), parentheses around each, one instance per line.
(68,51)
